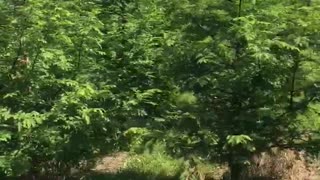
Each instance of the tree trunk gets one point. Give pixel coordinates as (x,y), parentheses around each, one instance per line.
(235,171)
(235,167)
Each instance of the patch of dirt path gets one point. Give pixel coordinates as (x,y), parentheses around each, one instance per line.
(111,163)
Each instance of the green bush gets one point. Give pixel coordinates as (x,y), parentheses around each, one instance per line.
(156,164)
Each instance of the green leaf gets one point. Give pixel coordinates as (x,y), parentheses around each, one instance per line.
(5,136)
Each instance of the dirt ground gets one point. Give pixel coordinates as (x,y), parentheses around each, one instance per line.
(111,163)
(274,164)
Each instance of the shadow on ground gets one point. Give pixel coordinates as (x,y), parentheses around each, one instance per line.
(99,176)
(125,175)
(312,146)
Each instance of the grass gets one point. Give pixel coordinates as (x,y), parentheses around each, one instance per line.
(155,166)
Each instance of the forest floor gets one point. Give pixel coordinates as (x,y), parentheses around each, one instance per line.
(111,163)
(279,164)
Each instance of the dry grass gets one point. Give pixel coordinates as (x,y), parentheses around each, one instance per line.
(111,163)
(205,172)
(280,164)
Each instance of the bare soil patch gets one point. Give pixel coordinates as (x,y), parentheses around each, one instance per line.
(111,163)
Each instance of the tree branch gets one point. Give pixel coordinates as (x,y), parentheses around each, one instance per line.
(293,80)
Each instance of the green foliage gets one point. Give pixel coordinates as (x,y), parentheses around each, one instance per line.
(155,164)
(199,169)
(185,99)
(242,140)
(212,78)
